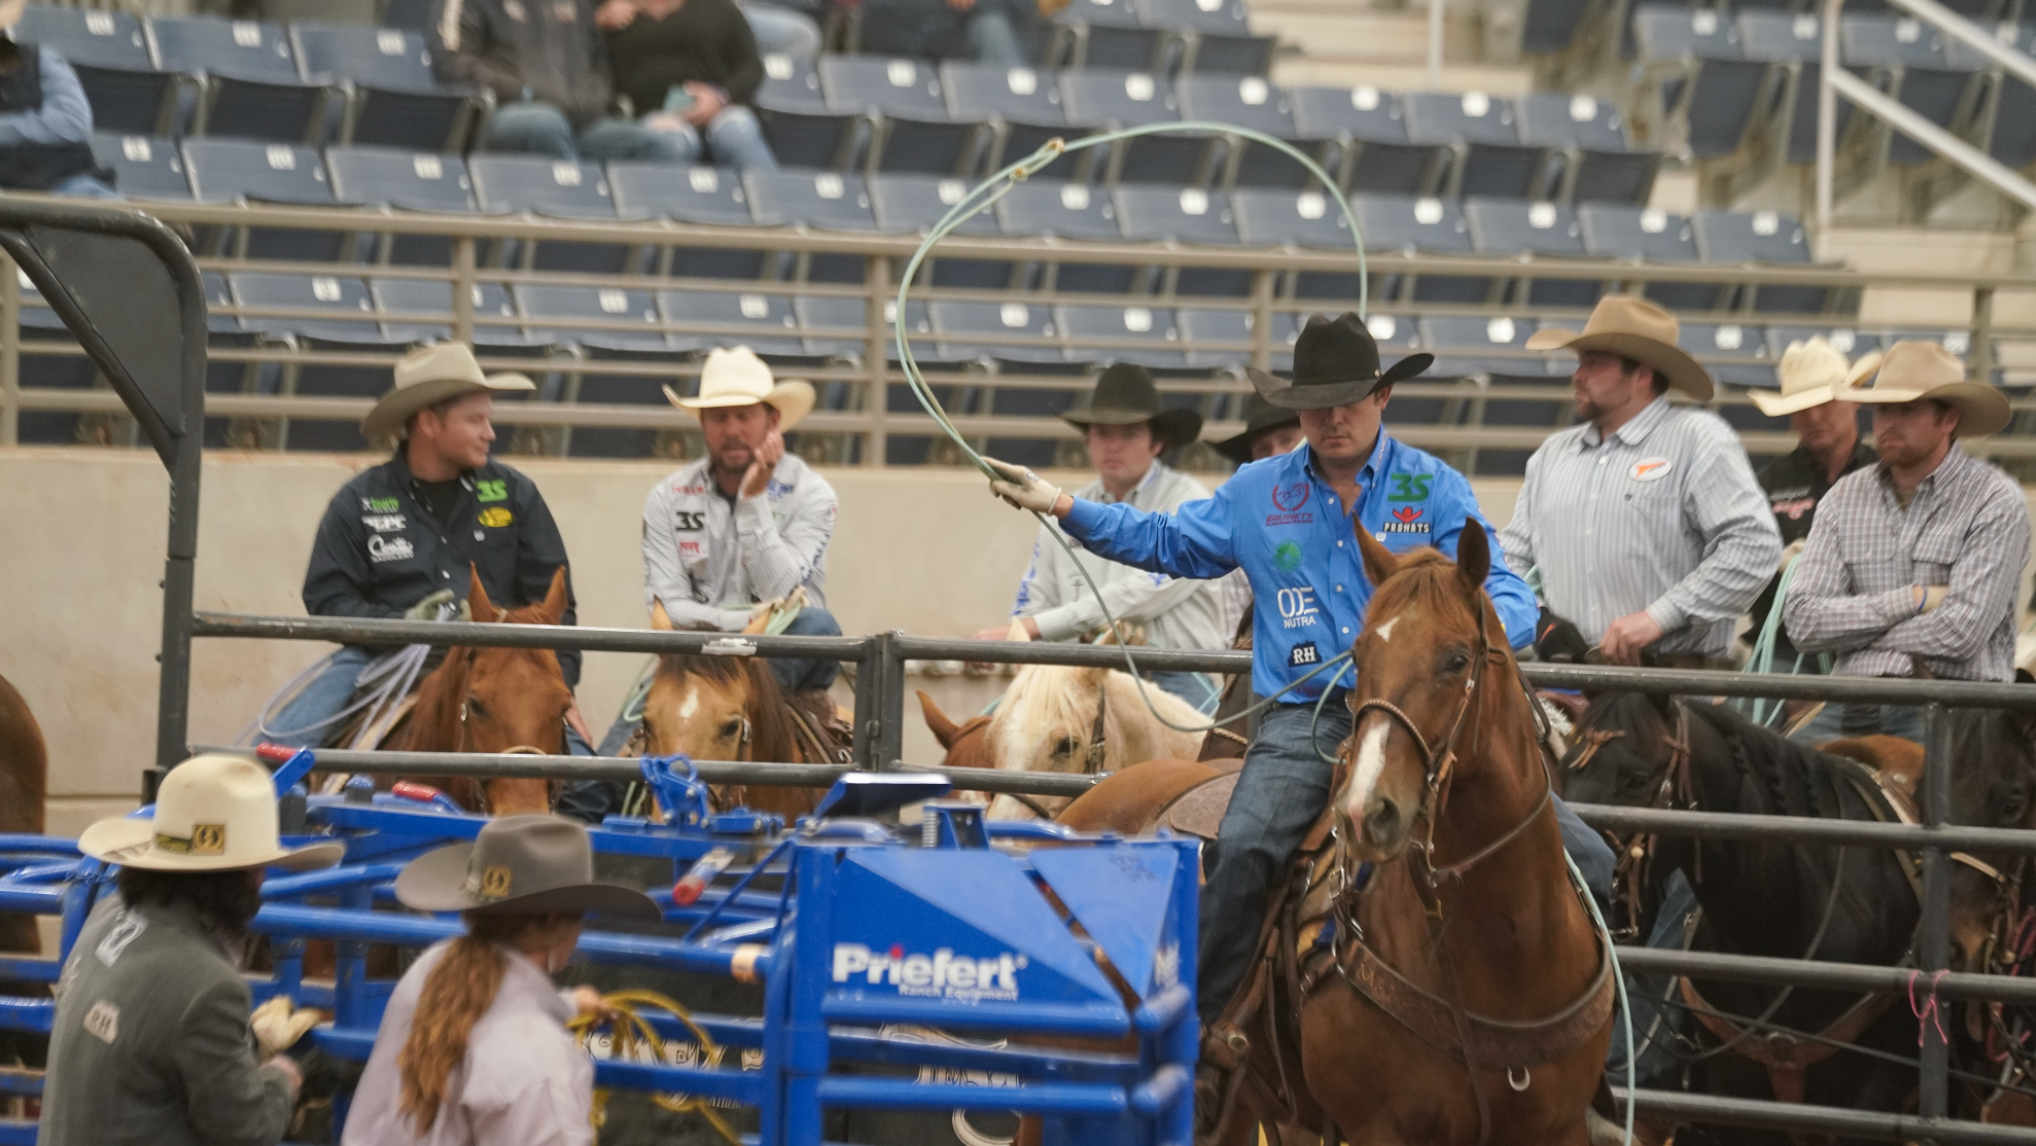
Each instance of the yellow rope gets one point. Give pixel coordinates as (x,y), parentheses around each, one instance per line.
(636,1040)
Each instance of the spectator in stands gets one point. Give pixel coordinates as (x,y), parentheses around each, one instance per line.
(1828,447)
(1649,531)
(548,67)
(1912,566)
(690,69)
(1126,431)
(45,120)
(404,539)
(782,31)
(988,31)
(1268,431)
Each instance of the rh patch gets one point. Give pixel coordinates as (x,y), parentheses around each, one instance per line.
(1304,653)
(103,1020)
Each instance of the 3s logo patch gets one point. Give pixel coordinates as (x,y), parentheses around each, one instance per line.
(1410,487)
(690,522)
(495,489)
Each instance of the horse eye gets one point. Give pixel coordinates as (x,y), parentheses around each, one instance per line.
(1066,746)
(731,728)
(475,707)
(2015,806)
(1458,662)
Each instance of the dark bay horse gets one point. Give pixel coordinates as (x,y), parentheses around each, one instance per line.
(493,700)
(1771,898)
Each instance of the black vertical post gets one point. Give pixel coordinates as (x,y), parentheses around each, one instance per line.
(1933,933)
(180,571)
(890,731)
(869,684)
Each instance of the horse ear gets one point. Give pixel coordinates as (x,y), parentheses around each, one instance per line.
(659,619)
(478,606)
(944,729)
(1379,562)
(1473,554)
(555,598)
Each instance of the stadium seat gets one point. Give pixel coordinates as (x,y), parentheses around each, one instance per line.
(1598,164)
(1490,159)
(1136,99)
(1723,349)
(1507,228)
(1381,159)
(2006,121)
(1403,223)
(1740,239)
(143,167)
(916,132)
(1201,327)
(1493,349)
(562,313)
(1846,340)
(132,101)
(405,181)
(103,37)
(1648,235)
(252,88)
(241,170)
(917,204)
(1223,54)
(1794,43)
(49,359)
(1550,26)
(801,129)
(1185,215)
(1022,105)
(763,322)
(393,100)
(695,195)
(552,188)
(821,200)
(1143,335)
(1111,34)
(1302,219)
(1224,17)
(1705,83)
(1068,211)
(1399,335)
(833,326)
(346,309)
(792,83)
(1909,59)
(964,330)
(1251,102)
(424,296)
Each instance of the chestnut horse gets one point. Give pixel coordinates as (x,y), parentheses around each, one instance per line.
(24,787)
(493,700)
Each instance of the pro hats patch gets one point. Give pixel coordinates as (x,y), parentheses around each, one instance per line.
(1651,469)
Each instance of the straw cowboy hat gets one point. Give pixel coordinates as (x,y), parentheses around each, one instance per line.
(1632,327)
(518,865)
(1259,416)
(1812,373)
(1911,371)
(10,13)
(1125,395)
(737,377)
(430,375)
(1336,362)
(213,813)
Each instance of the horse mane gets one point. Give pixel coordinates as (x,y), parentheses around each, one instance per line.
(1048,686)
(772,732)
(1798,779)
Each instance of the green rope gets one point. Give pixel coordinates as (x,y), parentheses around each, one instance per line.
(985,195)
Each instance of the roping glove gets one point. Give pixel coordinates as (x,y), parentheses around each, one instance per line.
(1022,488)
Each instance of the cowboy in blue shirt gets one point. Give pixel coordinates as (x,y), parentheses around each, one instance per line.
(1286,522)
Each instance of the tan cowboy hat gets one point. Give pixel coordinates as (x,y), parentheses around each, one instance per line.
(1912,371)
(430,375)
(1812,373)
(518,865)
(1632,327)
(10,13)
(213,813)
(735,376)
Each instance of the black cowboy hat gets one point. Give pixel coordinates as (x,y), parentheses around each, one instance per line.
(1336,362)
(1125,395)
(1259,416)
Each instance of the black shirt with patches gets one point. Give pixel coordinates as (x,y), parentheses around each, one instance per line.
(1794,484)
(384,545)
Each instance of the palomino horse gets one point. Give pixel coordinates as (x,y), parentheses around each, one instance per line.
(1079,721)
(732,708)
(494,700)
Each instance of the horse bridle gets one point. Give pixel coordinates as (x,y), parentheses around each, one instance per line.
(1632,855)
(467,740)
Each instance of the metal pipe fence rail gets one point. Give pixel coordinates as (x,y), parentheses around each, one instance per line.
(881,660)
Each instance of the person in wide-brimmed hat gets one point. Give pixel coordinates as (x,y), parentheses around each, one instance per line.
(1126,427)
(153,1041)
(473,1046)
(1646,524)
(1828,446)
(1268,430)
(1291,524)
(405,539)
(1914,563)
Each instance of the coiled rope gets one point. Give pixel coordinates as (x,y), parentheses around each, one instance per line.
(634,1039)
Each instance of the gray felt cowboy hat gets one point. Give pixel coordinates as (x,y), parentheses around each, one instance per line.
(1259,416)
(1126,395)
(430,375)
(518,865)
(1336,362)
(213,813)
(1632,327)
(1912,371)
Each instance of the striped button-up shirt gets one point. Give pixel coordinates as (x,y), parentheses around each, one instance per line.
(1663,515)
(708,558)
(1854,588)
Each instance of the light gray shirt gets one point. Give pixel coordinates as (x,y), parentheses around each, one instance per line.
(1664,515)
(1175,613)
(1853,589)
(709,562)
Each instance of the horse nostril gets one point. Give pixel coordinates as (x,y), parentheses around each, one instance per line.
(1382,821)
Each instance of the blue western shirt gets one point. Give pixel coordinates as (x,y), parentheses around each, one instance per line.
(1280,522)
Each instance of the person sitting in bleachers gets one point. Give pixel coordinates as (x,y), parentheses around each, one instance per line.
(548,67)
(987,31)
(690,69)
(45,120)
(781,30)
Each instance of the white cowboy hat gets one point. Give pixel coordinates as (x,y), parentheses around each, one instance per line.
(213,813)
(1632,327)
(1912,371)
(735,376)
(427,376)
(1812,373)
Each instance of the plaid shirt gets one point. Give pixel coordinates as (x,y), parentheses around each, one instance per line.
(1854,587)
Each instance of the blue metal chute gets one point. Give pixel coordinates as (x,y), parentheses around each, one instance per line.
(1123,897)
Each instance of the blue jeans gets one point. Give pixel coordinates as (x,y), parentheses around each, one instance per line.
(733,138)
(1837,721)
(1647,993)
(1198,689)
(86,187)
(1283,788)
(782,32)
(534,128)
(303,721)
